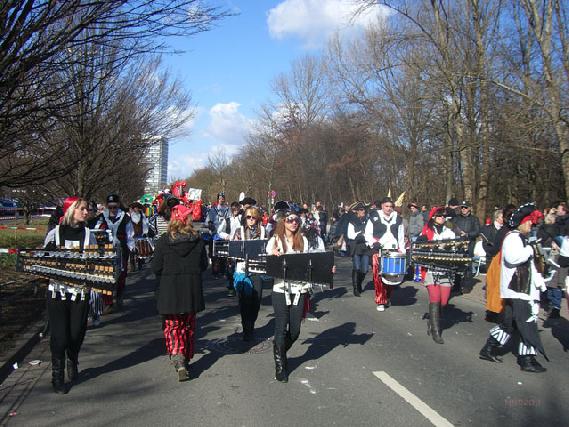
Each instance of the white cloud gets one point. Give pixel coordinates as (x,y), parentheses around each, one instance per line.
(314,21)
(183,166)
(223,130)
(227,125)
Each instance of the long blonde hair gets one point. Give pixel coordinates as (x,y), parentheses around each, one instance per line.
(68,215)
(176,227)
(297,240)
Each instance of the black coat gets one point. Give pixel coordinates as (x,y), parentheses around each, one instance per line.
(469,224)
(178,265)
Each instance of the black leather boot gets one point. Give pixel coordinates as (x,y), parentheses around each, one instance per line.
(355,283)
(528,363)
(58,375)
(72,367)
(247,330)
(488,352)
(435,323)
(361,277)
(280,364)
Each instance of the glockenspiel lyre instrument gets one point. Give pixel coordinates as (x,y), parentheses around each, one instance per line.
(95,267)
(442,255)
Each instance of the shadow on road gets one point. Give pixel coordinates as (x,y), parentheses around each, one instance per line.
(148,351)
(451,315)
(404,295)
(559,331)
(326,341)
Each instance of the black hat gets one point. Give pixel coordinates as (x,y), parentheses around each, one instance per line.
(464,203)
(249,201)
(136,204)
(453,202)
(412,204)
(359,206)
(281,206)
(386,200)
(286,207)
(520,213)
(172,201)
(113,198)
(221,194)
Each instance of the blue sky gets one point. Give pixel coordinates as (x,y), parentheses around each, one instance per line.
(229,70)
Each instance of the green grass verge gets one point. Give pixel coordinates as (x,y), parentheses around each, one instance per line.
(21,238)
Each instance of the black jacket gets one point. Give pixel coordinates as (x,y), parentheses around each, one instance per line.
(178,265)
(489,244)
(469,224)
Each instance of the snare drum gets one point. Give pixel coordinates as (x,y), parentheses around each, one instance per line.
(144,248)
(393,268)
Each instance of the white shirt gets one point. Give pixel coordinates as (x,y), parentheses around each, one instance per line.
(388,240)
(514,253)
(279,285)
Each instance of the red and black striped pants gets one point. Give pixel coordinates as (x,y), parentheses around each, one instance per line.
(179,333)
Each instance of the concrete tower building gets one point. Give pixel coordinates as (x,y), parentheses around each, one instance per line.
(157,161)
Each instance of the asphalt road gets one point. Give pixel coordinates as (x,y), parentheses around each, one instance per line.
(352,366)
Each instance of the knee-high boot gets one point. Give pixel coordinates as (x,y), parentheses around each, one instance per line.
(72,366)
(435,323)
(488,352)
(279,354)
(355,283)
(58,374)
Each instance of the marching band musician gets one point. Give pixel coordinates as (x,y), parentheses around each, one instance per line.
(218,221)
(438,283)
(289,308)
(384,230)
(118,222)
(249,286)
(233,223)
(68,306)
(179,261)
(140,228)
(359,251)
(520,287)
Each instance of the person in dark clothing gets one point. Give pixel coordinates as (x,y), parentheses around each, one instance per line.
(466,226)
(179,260)
(489,233)
(452,208)
(358,249)
(55,218)
(562,220)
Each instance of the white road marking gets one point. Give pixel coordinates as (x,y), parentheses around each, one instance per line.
(414,401)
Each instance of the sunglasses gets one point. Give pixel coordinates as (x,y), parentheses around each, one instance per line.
(440,216)
(113,206)
(251,217)
(292,219)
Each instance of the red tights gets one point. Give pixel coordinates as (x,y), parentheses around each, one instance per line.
(438,294)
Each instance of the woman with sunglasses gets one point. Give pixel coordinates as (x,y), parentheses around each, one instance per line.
(289,307)
(249,286)
(438,284)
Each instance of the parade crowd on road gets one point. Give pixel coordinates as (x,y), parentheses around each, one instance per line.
(524,250)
